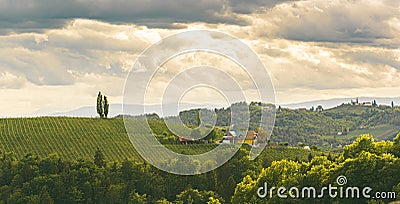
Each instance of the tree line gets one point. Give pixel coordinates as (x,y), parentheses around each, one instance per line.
(53,180)
(32,179)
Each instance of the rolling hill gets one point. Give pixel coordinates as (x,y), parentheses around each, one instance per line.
(79,138)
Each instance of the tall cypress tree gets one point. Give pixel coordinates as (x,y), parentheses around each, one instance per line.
(106,107)
(100,108)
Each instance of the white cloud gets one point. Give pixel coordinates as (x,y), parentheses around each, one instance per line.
(313,50)
(11,81)
(334,21)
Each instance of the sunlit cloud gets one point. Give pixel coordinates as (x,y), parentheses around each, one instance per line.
(312,49)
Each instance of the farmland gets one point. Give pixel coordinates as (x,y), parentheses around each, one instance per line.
(71,138)
(74,138)
(122,176)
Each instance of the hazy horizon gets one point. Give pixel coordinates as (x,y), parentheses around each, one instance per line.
(116,108)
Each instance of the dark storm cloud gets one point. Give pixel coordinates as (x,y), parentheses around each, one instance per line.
(21,15)
(339,21)
(34,15)
(246,7)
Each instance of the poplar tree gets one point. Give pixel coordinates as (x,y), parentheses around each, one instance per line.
(99,107)
(106,107)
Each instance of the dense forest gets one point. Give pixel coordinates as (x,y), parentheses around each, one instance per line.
(32,179)
(365,163)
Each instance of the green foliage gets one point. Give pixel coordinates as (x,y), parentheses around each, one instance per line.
(135,198)
(396,189)
(45,197)
(190,196)
(284,143)
(81,136)
(396,146)
(212,200)
(62,178)
(52,179)
(385,116)
(366,143)
(244,191)
(106,107)
(310,127)
(100,105)
(89,181)
(194,196)
(364,163)
(99,159)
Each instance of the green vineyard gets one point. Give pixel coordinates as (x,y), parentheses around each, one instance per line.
(79,138)
(70,138)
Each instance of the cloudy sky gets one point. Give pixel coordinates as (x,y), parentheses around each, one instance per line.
(55,55)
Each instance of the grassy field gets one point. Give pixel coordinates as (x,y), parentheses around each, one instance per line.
(73,138)
(382,132)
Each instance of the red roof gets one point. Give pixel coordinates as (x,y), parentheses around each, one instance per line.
(251,135)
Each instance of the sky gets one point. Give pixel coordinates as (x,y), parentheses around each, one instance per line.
(55,55)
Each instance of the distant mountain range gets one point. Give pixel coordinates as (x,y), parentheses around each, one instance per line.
(330,103)
(117,109)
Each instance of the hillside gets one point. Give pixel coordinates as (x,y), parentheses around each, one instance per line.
(74,138)
(331,127)
(71,138)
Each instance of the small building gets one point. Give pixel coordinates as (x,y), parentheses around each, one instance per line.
(227,140)
(250,137)
(232,133)
(268,108)
(183,140)
(355,103)
(237,137)
(367,104)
